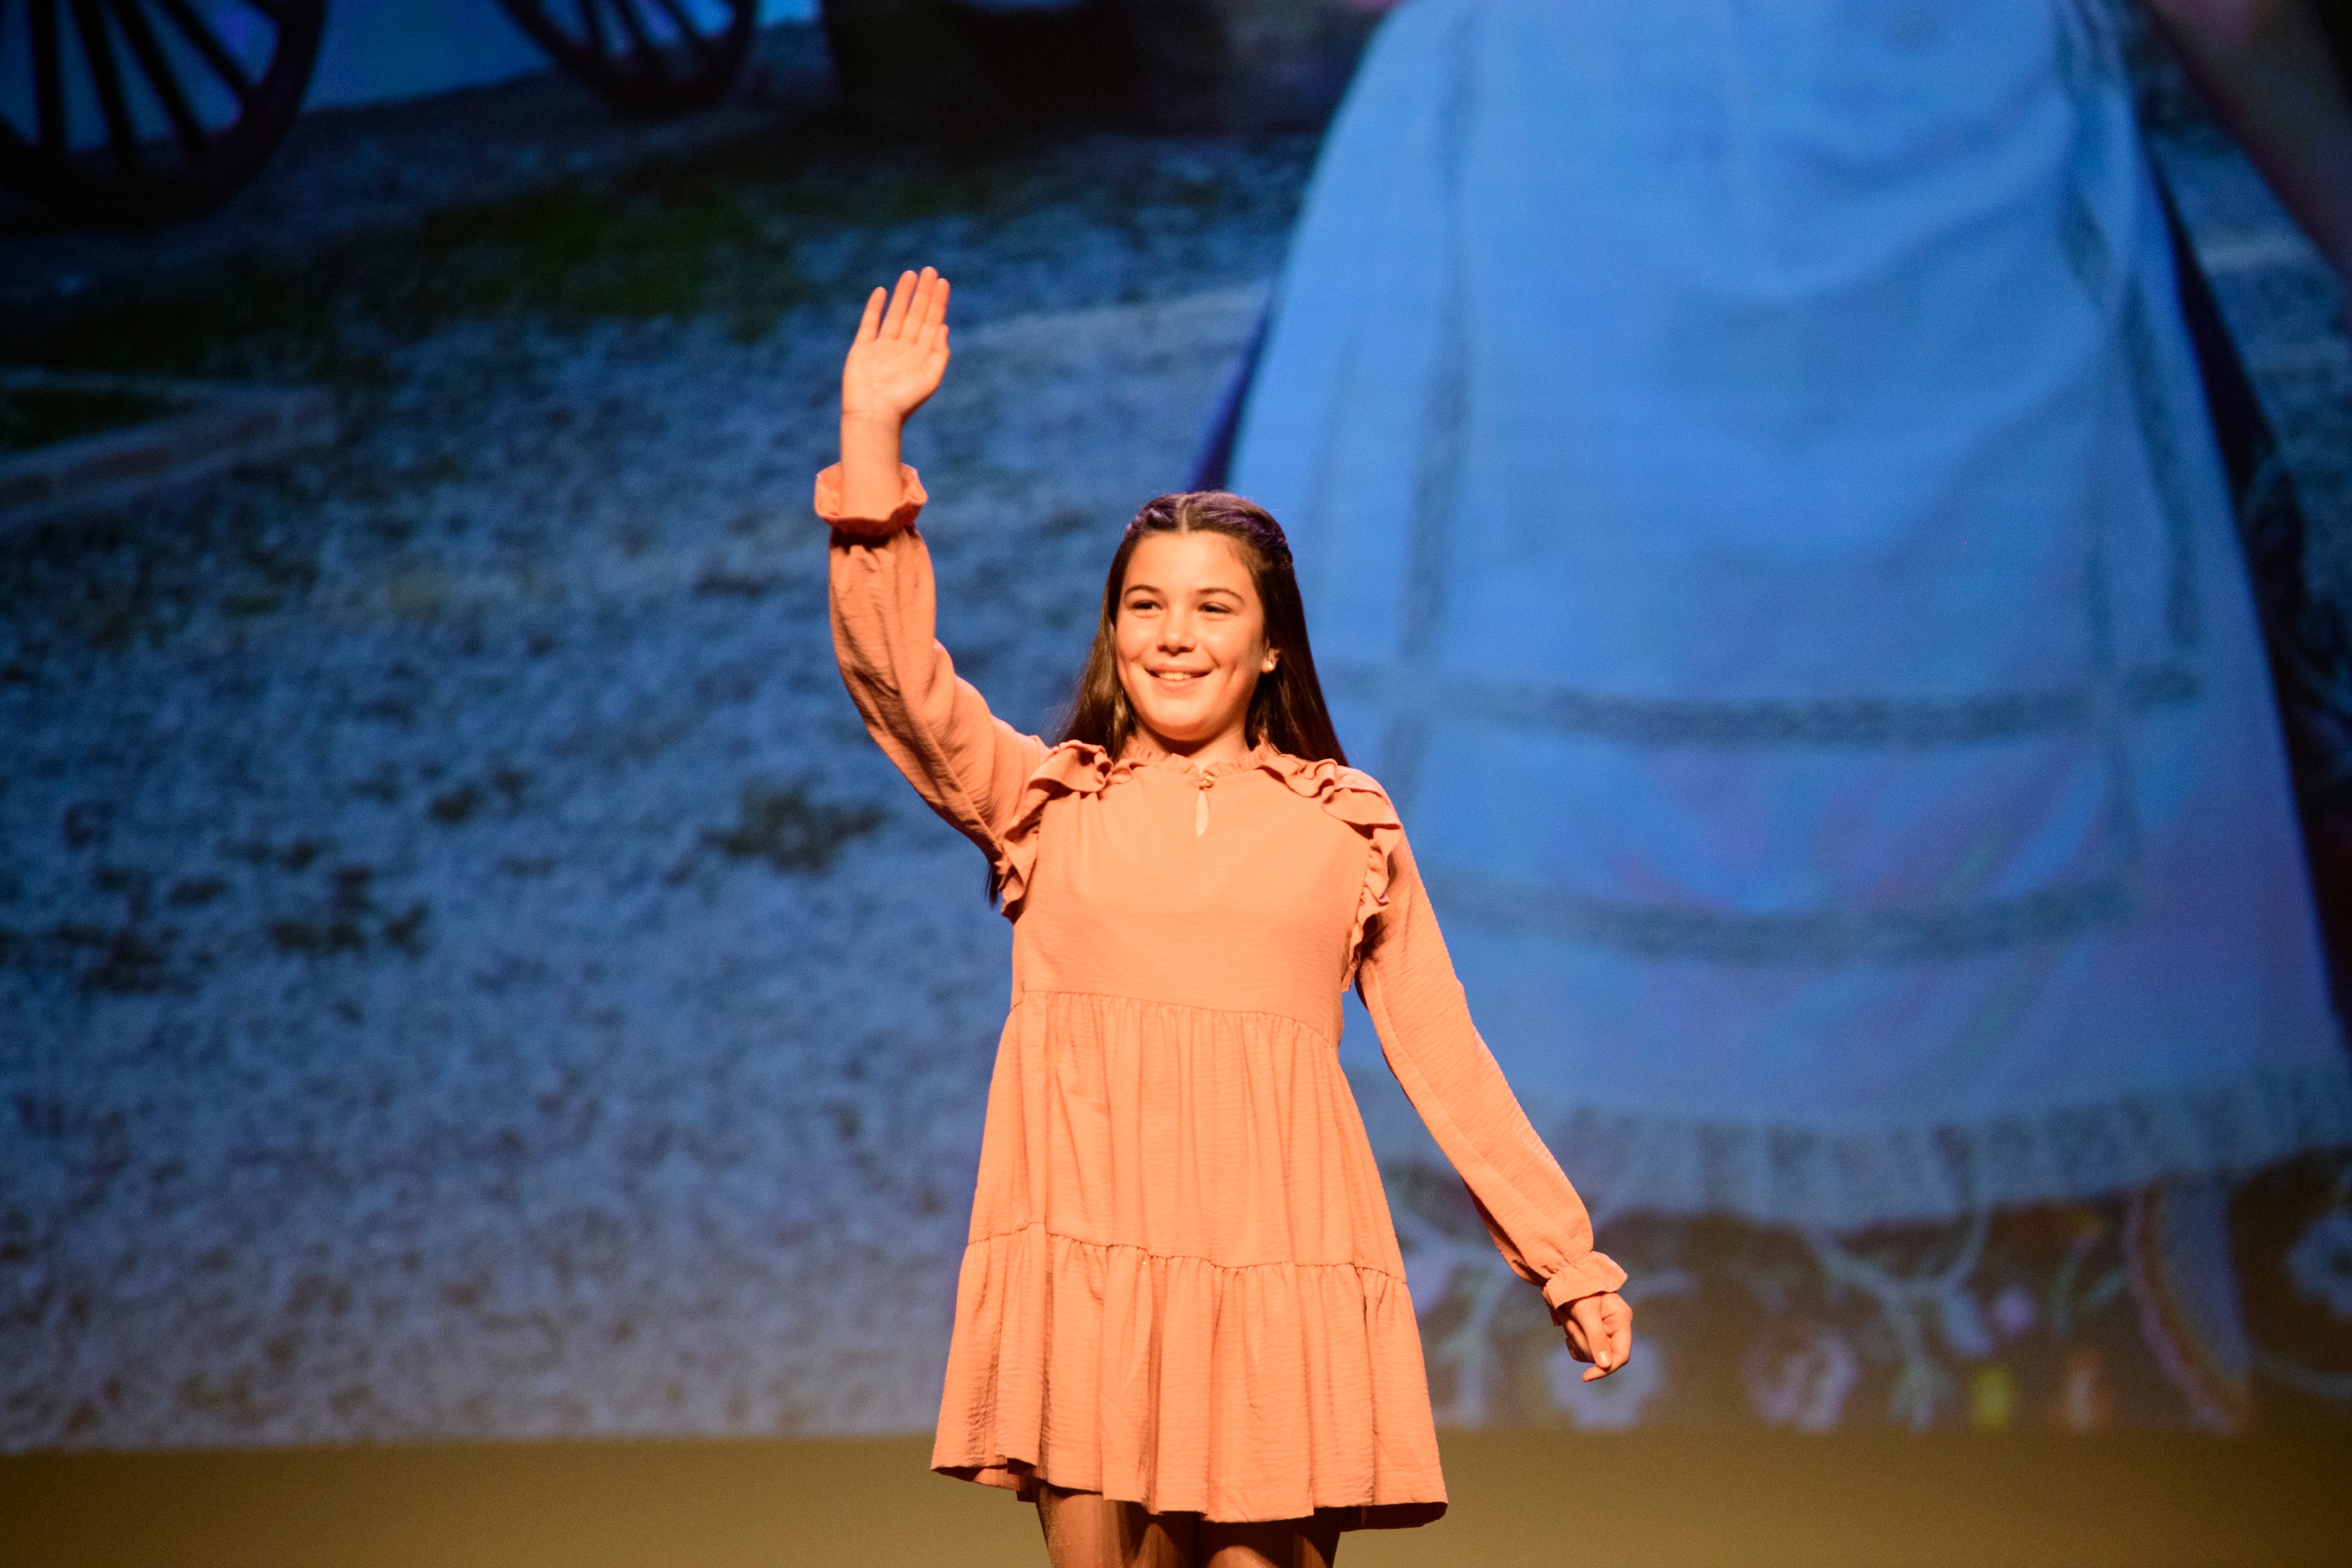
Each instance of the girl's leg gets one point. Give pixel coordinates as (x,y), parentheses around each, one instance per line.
(1086,1529)
(1278,1543)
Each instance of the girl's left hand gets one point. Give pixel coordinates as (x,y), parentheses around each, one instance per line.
(1600,1330)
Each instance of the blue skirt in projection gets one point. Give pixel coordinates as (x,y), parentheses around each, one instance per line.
(1757,517)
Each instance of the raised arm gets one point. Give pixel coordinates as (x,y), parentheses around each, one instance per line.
(1538,1222)
(969,764)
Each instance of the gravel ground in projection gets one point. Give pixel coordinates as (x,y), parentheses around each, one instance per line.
(462,970)
(467,971)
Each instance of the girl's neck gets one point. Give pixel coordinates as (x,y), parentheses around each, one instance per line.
(1232,746)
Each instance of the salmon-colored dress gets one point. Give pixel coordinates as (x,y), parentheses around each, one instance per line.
(1183,1287)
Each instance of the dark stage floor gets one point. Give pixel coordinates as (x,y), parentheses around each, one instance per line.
(2141,1502)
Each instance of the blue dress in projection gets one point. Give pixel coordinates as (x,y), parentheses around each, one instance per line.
(1758,517)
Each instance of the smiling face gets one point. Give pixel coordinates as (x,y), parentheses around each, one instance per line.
(1191,643)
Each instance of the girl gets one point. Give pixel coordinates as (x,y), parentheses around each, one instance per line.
(1182,1328)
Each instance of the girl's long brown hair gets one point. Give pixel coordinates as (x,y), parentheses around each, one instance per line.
(1286,710)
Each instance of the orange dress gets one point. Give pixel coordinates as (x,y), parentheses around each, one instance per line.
(1183,1287)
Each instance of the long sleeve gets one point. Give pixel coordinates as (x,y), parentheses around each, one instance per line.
(1407,981)
(968,764)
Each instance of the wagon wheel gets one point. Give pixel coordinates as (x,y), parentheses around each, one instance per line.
(134,112)
(645,57)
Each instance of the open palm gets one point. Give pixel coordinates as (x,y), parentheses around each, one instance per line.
(901,351)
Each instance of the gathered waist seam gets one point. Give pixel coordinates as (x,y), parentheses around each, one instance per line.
(1042,992)
(1037,1225)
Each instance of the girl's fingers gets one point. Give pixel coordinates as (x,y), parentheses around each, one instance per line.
(1596,1339)
(902,338)
(915,309)
(1600,1330)
(1617,1331)
(1608,1332)
(1596,1334)
(919,304)
(923,312)
(894,320)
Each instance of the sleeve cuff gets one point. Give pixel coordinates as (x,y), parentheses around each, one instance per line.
(911,503)
(1588,1275)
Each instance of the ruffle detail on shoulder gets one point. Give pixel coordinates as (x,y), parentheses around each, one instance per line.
(1151,1379)
(1073,767)
(911,501)
(1355,798)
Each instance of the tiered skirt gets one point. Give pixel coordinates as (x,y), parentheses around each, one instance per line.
(1183,1287)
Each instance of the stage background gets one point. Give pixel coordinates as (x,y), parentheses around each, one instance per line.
(463,973)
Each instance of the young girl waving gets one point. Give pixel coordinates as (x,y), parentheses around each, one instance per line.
(1182,1326)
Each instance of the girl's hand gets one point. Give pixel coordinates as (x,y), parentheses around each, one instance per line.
(1600,1330)
(894,364)
(901,351)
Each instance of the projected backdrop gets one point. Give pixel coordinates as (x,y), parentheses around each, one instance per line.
(464,971)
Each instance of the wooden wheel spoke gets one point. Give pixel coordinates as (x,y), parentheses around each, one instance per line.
(148,111)
(641,44)
(157,69)
(106,75)
(207,44)
(49,76)
(685,24)
(645,57)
